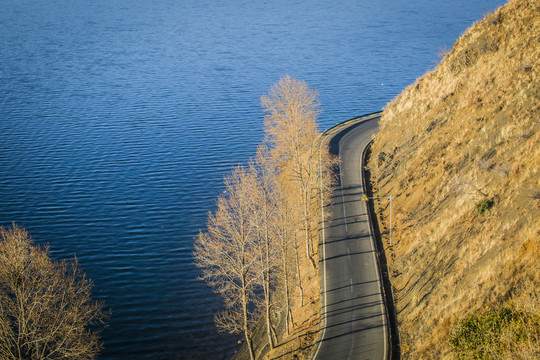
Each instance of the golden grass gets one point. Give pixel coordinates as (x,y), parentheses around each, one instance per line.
(465,132)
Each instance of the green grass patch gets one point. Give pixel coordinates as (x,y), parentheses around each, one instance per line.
(483,206)
(499,333)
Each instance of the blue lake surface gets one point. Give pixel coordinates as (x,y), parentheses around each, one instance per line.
(118,120)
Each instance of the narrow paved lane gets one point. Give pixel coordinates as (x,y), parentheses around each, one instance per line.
(354,313)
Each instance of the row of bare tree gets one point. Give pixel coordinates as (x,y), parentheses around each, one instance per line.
(267,218)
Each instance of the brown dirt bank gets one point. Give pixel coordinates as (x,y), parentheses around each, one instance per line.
(459,150)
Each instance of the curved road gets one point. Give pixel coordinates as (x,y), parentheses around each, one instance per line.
(354,312)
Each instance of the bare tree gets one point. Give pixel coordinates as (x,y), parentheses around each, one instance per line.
(266,221)
(291,126)
(45,307)
(228,254)
(289,228)
(284,233)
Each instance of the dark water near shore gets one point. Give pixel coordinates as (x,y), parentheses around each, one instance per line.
(118,120)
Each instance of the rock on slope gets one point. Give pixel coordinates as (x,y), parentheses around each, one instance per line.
(463,136)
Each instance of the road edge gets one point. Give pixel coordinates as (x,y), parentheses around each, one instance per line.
(322,269)
(386,285)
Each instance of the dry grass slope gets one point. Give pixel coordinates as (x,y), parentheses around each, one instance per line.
(465,133)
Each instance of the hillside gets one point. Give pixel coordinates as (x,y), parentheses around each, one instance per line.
(459,151)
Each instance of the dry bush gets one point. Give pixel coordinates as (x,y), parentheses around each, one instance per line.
(45,307)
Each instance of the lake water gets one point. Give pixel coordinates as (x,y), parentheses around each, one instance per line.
(118,120)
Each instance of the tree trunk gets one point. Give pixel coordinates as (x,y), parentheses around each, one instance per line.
(249,345)
(309,247)
(298,270)
(266,278)
(305,204)
(287,303)
(269,325)
(284,237)
(246,326)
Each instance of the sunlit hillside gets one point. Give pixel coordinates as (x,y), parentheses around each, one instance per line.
(459,150)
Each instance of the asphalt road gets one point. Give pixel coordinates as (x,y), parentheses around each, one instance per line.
(354,312)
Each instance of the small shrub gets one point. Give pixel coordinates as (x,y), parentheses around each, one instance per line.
(486,45)
(534,194)
(484,206)
(442,53)
(381,158)
(496,333)
(494,19)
